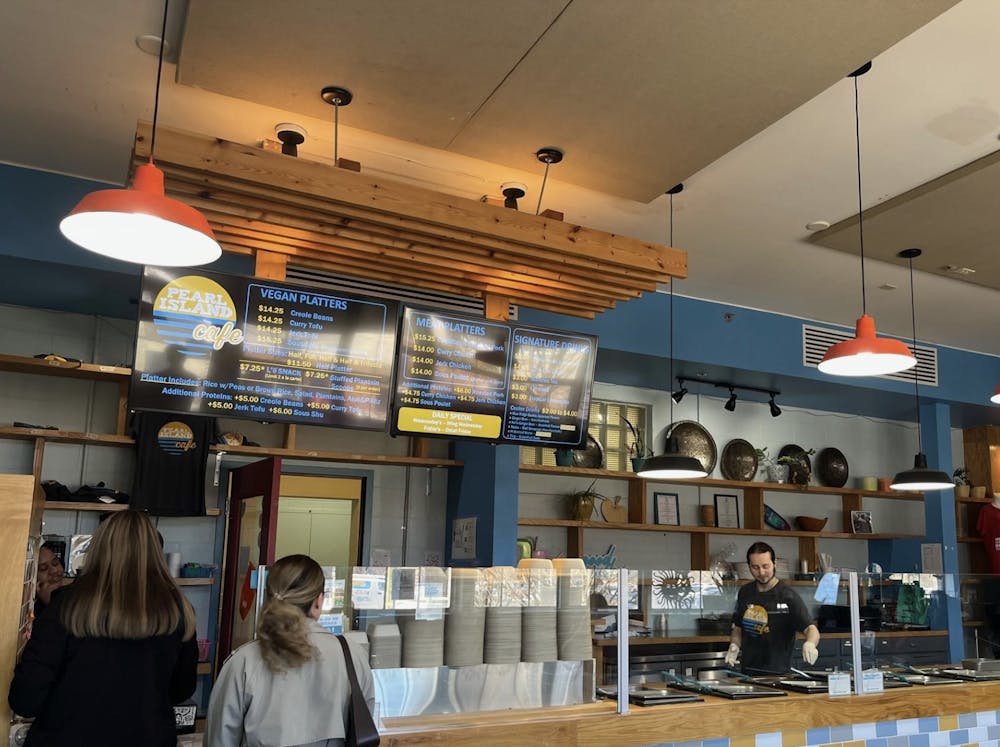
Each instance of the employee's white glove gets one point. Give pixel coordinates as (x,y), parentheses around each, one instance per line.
(733,654)
(809,652)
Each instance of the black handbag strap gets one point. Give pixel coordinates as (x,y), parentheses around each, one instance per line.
(361,723)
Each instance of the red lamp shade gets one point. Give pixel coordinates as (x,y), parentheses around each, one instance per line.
(142,225)
(867,355)
(996,396)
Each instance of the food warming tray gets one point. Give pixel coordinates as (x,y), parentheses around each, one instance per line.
(968,674)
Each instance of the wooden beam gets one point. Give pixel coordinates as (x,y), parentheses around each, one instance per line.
(497,307)
(270,265)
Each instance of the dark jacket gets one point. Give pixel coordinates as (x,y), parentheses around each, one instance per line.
(101,691)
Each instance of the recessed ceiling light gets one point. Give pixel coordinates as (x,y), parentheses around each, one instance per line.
(817,225)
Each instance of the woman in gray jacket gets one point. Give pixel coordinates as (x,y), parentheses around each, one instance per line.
(289,687)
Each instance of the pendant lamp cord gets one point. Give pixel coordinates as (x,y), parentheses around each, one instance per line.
(336,132)
(861,230)
(159,71)
(545,178)
(670,385)
(916,379)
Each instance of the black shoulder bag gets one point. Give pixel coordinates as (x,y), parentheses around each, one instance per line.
(361,731)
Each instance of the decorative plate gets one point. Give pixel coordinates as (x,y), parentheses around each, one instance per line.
(831,468)
(775,520)
(693,440)
(798,473)
(591,456)
(739,460)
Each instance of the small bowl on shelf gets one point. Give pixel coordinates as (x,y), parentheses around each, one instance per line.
(811,523)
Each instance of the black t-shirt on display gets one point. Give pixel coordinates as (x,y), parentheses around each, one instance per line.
(172,451)
(769,621)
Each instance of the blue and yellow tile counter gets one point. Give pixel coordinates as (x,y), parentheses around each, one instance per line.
(907,717)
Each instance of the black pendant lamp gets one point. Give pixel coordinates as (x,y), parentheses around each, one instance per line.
(920,477)
(671,464)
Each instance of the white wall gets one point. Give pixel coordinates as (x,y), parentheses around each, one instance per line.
(872,447)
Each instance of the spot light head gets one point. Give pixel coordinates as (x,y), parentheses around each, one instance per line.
(731,402)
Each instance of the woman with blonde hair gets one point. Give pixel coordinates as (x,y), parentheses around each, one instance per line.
(288,688)
(114,651)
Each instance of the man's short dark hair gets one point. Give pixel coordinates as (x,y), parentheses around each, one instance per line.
(759,548)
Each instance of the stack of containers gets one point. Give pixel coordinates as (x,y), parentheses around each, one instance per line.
(573,613)
(385,645)
(503,617)
(538,618)
(465,622)
(423,641)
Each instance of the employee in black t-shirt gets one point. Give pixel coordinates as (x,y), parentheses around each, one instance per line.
(767,616)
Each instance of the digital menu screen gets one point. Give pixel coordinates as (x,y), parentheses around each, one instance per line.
(469,378)
(242,347)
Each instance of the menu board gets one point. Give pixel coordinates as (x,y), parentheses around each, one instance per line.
(250,348)
(470,378)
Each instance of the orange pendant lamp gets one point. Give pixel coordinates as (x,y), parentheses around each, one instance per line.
(865,354)
(995,399)
(141,224)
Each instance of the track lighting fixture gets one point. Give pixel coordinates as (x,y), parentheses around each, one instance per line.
(731,402)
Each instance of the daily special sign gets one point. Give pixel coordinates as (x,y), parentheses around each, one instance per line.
(243,347)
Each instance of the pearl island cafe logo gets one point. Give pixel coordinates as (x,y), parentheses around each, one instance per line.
(197,315)
(176,437)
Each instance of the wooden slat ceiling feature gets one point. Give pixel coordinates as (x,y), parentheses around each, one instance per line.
(358,226)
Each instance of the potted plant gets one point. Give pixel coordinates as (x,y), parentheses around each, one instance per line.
(775,469)
(638,451)
(963,485)
(581,503)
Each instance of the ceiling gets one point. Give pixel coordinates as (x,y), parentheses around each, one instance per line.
(743,100)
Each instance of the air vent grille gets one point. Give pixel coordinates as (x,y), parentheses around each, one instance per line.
(817,340)
(376,289)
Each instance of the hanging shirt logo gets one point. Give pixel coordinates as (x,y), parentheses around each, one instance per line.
(755,620)
(176,437)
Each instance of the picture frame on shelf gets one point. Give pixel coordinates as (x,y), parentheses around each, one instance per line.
(665,509)
(861,522)
(727,511)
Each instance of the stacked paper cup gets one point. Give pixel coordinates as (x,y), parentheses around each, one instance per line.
(385,645)
(423,641)
(465,621)
(573,613)
(503,620)
(538,618)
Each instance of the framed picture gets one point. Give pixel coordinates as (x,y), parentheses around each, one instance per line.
(861,522)
(727,511)
(665,509)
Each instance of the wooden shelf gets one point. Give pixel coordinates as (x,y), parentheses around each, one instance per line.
(91,371)
(539,469)
(572,523)
(333,456)
(104,507)
(644,641)
(69,437)
(971,540)
(195,581)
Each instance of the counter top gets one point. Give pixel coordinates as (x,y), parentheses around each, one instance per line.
(598,724)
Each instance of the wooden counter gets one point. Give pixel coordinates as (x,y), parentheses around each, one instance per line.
(599,725)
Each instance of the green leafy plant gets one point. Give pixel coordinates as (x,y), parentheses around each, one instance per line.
(581,503)
(638,446)
(961,477)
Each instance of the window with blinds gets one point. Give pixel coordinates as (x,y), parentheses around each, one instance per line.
(608,426)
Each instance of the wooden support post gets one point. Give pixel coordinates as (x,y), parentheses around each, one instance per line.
(753,508)
(290,436)
(849,503)
(699,551)
(809,551)
(496,307)
(574,542)
(121,417)
(37,495)
(637,502)
(270,265)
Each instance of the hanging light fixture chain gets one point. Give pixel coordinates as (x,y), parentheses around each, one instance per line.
(336,133)
(541,191)
(670,383)
(159,71)
(861,230)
